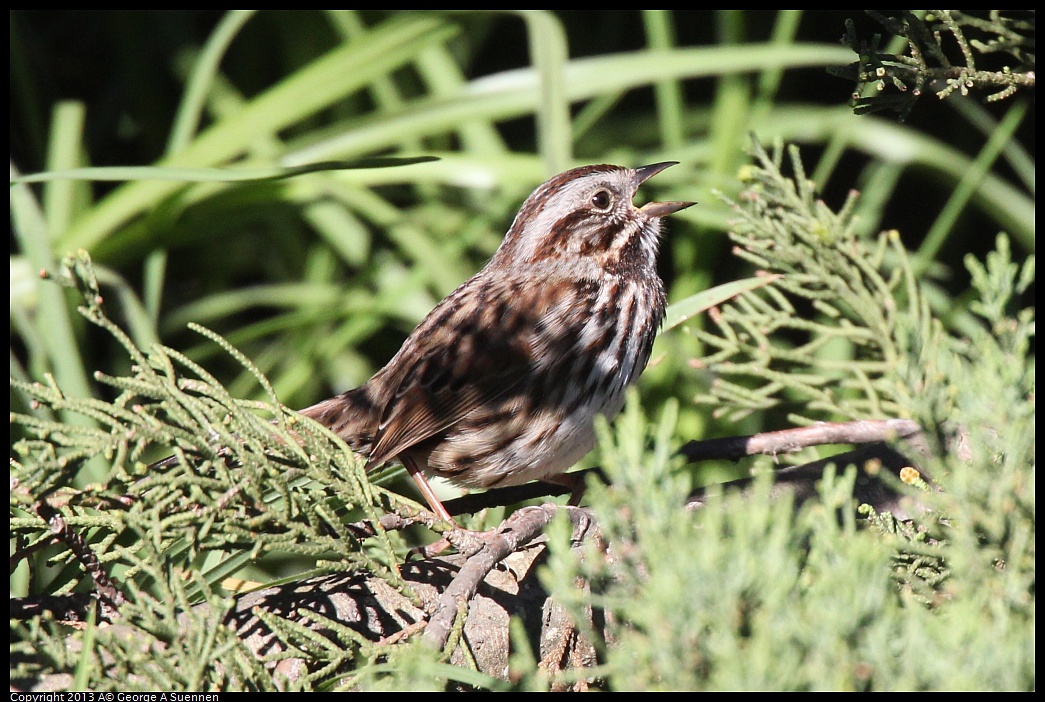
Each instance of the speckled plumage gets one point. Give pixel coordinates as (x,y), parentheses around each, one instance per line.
(500,383)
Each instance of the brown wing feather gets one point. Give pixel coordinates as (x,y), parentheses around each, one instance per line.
(462,356)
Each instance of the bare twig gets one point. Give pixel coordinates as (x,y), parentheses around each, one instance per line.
(109,595)
(773,443)
(514,533)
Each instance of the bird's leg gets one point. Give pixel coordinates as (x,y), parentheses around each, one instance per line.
(426,490)
(464,540)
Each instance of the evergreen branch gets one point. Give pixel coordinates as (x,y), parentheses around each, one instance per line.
(1005,34)
(240,483)
(763,351)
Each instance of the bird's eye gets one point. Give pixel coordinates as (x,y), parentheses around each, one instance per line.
(601,200)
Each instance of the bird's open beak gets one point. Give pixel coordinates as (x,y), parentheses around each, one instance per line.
(657,209)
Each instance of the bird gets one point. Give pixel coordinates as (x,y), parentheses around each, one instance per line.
(501,382)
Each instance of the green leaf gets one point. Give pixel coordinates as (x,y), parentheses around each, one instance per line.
(217,175)
(679,312)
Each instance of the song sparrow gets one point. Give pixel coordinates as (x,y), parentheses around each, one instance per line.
(500,383)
